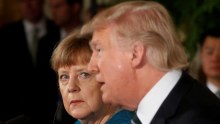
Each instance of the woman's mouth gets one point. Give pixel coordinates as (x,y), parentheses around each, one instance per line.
(76,102)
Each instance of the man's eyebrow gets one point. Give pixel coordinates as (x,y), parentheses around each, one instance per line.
(92,43)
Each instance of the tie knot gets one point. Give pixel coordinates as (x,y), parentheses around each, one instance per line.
(218,93)
(35,30)
(135,119)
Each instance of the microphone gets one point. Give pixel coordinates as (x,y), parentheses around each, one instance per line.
(21,119)
(1,122)
(61,116)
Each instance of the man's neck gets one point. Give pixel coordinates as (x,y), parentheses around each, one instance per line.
(68,28)
(215,81)
(35,20)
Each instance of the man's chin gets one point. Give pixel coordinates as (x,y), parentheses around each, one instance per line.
(105,98)
(102,88)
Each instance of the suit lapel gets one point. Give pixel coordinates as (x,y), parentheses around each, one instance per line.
(171,103)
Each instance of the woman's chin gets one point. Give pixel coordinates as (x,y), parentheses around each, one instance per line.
(79,114)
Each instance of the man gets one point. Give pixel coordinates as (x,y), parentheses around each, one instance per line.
(30,89)
(66,14)
(210,59)
(139,62)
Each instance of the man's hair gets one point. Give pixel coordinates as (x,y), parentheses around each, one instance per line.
(147,22)
(213,32)
(80,2)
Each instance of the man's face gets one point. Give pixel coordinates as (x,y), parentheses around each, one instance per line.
(113,67)
(61,12)
(31,10)
(210,57)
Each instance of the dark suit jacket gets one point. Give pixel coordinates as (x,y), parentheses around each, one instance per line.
(189,103)
(27,89)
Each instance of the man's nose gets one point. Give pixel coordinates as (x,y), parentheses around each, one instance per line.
(92,66)
(216,55)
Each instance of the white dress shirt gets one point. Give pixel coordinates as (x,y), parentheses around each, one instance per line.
(63,34)
(212,87)
(28,27)
(151,102)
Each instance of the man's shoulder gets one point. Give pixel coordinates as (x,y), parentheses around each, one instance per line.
(189,101)
(195,101)
(12,30)
(52,28)
(50,24)
(12,26)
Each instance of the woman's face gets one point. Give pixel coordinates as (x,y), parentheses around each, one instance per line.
(80,91)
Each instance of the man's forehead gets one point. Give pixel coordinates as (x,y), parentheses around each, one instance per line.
(100,35)
(95,37)
(92,43)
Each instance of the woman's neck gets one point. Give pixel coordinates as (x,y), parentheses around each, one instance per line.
(102,117)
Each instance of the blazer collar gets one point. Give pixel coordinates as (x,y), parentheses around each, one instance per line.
(171,103)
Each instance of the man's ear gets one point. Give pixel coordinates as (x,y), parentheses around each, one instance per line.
(76,8)
(138,54)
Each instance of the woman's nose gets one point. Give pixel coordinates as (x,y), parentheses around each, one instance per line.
(73,86)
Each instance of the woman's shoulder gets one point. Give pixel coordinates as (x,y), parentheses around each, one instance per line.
(121,117)
(77,122)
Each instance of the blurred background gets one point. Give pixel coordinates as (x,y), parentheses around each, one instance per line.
(191,16)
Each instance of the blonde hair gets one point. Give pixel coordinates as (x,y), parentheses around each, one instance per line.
(72,50)
(147,22)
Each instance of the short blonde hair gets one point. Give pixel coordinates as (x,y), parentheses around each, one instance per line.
(148,22)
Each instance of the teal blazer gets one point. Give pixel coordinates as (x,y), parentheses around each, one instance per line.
(121,117)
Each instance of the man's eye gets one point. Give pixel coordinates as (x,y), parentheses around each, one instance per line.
(209,52)
(84,75)
(98,50)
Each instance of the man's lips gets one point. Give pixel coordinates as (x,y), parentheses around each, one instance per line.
(102,83)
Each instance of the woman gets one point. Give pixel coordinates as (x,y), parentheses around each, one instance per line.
(80,91)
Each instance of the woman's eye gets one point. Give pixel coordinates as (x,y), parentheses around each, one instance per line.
(84,75)
(63,77)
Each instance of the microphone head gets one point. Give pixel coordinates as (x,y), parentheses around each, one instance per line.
(21,119)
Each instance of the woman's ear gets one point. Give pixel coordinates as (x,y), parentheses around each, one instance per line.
(138,54)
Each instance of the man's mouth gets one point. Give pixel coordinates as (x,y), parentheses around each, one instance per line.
(101,84)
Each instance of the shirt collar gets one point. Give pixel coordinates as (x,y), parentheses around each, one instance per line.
(212,87)
(41,25)
(151,102)
(63,33)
